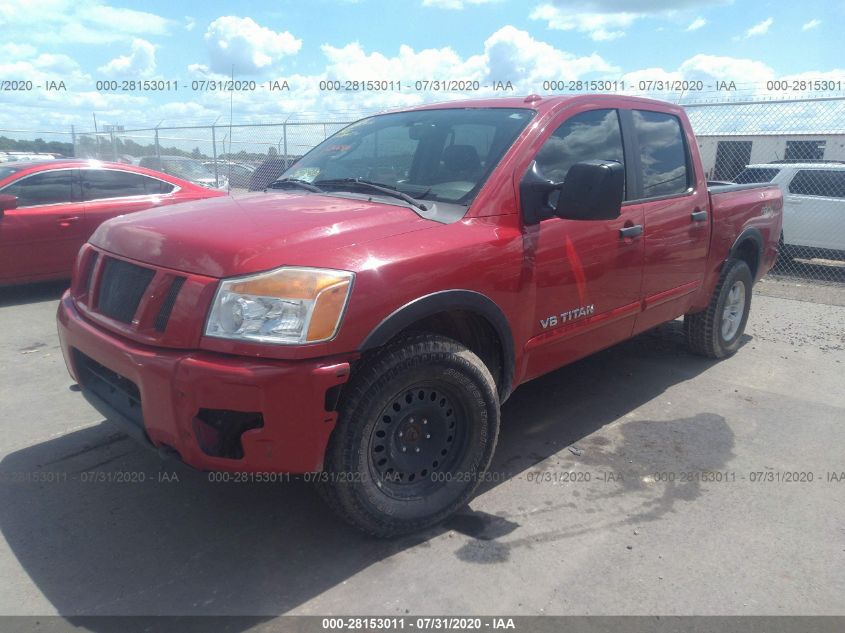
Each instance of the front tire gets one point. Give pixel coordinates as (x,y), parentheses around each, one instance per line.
(417,429)
(716,331)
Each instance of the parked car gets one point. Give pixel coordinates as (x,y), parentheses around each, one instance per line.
(238,174)
(267,172)
(186,169)
(49,209)
(366,317)
(814,201)
(14,157)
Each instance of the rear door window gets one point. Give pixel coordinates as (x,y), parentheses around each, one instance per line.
(663,154)
(99,184)
(826,183)
(48,187)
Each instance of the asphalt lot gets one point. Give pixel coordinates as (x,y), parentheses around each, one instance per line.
(673,520)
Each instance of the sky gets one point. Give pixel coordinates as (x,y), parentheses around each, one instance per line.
(71,45)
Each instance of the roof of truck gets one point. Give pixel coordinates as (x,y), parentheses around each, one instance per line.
(545,103)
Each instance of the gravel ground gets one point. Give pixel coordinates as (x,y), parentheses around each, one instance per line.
(642,480)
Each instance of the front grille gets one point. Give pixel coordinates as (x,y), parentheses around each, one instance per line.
(118,392)
(89,272)
(163,315)
(122,285)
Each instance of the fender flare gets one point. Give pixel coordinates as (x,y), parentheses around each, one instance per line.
(445,301)
(755,236)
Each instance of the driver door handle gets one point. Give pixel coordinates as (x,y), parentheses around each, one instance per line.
(67,221)
(631,231)
(698,215)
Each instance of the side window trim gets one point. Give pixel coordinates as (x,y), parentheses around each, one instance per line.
(630,131)
(633,174)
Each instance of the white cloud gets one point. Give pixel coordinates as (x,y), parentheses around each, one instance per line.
(509,54)
(140,62)
(605,20)
(454,4)
(57,110)
(811,24)
(761,28)
(76,21)
(599,26)
(715,67)
(696,24)
(250,47)
(190,23)
(16,51)
(636,6)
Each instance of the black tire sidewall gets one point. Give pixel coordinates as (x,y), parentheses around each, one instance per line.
(739,271)
(464,379)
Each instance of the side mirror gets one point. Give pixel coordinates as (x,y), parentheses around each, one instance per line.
(535,193)
(7,202)
(593,190)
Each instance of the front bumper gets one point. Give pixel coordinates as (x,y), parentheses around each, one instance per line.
(173,386)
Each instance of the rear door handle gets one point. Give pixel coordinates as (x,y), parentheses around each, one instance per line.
(631,231)
(699,216)
(67,221)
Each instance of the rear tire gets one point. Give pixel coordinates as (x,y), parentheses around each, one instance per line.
(417,429)
(716,331)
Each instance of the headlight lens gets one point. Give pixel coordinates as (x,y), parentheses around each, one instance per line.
(284,306)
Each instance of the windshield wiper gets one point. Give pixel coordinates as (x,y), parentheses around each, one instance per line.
(295,182)
(388,191)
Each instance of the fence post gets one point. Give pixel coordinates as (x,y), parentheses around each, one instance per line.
(285,141)
(214,151)
(113,146)
(73,139)
(158,150)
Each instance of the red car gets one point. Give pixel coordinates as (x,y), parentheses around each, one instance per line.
(366,319)
(49,209)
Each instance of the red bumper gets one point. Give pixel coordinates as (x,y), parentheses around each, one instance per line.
(175,384)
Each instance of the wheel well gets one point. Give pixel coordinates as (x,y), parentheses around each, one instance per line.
(749,252)
(471,330)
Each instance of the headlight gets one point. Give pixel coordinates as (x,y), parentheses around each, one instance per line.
(286,306)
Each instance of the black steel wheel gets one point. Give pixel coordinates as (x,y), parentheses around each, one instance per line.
(417,429)
(418,436)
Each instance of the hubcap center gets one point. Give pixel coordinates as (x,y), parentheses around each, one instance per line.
(411,432)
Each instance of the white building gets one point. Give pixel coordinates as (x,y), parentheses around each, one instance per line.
(725,155)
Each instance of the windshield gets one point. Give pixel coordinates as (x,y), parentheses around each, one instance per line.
(751,175)
(441,155)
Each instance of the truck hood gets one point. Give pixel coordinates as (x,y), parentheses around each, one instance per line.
(224,237)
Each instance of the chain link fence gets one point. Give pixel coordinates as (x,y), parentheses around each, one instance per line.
(798,144)
(234,157)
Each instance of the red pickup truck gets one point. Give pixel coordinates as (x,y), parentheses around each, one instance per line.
(365,317)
